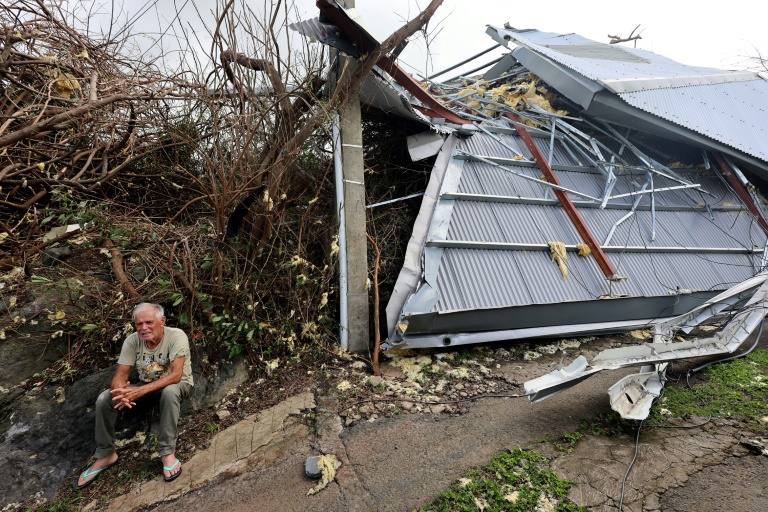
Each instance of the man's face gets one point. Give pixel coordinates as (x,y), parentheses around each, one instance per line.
(148,326)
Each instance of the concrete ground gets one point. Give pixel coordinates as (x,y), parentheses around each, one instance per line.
(402,462)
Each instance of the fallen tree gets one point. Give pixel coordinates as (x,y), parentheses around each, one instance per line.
(155,169)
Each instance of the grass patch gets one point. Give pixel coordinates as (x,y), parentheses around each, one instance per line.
(517,480)
(736,389)
(568,441)
(609,424)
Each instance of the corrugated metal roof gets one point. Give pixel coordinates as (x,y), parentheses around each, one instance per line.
(726,106)
(485,279)
(471,277)
(486,145)
(475,279)
(482,178)
(483,238)
(735,114)
(675,228)
(608,63)
(674,234)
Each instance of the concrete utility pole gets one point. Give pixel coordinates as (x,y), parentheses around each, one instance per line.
(354,206)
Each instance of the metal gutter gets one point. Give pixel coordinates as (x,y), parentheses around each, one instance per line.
(527,333)
(573,213)
(533,316)
(664,330)
(632,396)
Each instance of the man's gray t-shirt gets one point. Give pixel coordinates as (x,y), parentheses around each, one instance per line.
(155,364)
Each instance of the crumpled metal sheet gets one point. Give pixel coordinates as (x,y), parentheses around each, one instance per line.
(633,395)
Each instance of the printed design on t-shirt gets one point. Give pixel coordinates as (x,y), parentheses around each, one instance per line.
(152,366)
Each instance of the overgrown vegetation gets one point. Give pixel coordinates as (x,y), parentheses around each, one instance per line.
(210,192)
(735,389)
(517,480)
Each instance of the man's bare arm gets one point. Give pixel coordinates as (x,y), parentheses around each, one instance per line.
(120,379)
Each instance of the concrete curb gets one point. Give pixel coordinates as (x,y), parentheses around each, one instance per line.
(232,451)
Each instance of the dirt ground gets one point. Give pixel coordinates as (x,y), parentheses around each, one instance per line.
(736,483)
(399,462)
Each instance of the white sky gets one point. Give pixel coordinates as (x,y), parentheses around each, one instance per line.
(697,32)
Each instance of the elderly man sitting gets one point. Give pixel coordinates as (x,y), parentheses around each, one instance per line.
(161,357)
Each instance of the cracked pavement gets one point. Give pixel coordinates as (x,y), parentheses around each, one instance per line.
(403,461)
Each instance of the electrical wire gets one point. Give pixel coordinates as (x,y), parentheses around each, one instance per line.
(698,425)
(632,463)
(730,358)
(687,381)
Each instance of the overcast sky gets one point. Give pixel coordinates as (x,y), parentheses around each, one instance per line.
(717,34)
(693,32)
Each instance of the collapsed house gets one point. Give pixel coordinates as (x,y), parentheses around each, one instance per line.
(580,188)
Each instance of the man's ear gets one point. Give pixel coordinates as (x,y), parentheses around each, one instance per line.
(162,321)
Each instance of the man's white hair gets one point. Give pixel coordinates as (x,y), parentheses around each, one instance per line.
(159,311)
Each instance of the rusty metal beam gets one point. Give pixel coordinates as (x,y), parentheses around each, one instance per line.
(366,43)
(727,171)
(414,87)
(573,213)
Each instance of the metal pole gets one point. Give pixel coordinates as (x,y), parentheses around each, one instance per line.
(339,177)
(463,62)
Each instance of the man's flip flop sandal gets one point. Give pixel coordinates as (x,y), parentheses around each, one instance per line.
(95,473)
(175,475)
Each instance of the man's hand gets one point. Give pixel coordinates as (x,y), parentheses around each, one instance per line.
(124,396)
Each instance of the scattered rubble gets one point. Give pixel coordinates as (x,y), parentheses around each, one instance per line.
(437,382)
